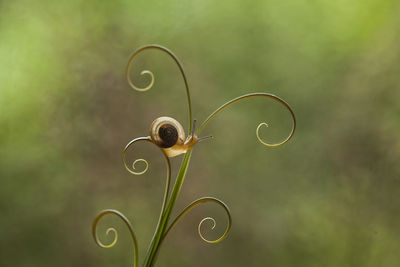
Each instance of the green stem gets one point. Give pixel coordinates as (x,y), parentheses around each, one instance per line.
(150,258)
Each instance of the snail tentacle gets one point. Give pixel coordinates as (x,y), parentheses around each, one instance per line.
(178,63)
(111,229)
(271,96)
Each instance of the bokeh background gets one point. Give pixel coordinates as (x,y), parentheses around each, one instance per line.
(329,197)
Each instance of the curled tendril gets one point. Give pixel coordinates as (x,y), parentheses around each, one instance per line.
(148,139)
(145,169)
(212,227)
(168,181)
(168,163)
(111,229)
(178,63)
(258,134)
(145,88)
(198,202)
(237,99)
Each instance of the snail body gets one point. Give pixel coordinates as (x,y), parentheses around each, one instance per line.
(168,134)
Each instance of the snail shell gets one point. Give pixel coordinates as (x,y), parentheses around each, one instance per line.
(167,132)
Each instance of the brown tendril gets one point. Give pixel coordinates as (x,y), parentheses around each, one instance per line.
(111,229)
(237,99)
(178,63)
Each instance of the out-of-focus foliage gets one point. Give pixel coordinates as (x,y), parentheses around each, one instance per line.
(330,197)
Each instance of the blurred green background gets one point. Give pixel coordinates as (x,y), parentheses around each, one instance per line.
(329,197)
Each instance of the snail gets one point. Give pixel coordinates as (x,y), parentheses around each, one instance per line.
(168,134)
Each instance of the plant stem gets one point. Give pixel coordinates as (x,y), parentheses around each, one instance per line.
(150,258)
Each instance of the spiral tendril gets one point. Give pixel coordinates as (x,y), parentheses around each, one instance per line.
(111,229)
(198,202)
(168,180)
(178,63)
(145,88)
(212,227)
(137,160)
(237,99)
(168,163)
(145,169)
(259,138)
